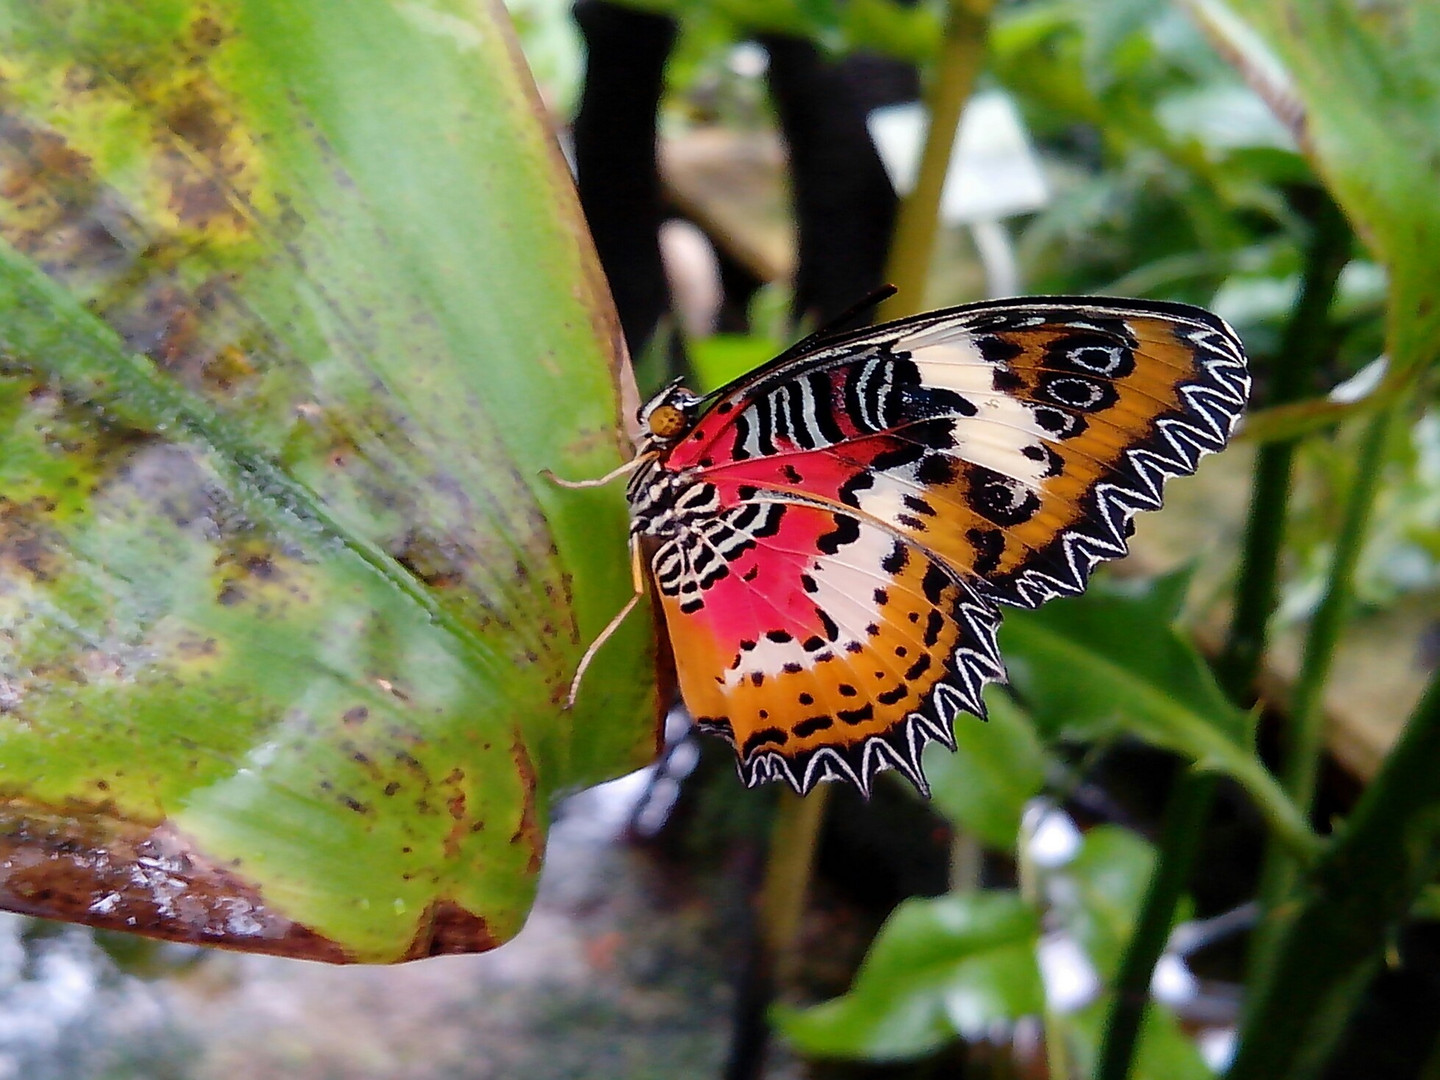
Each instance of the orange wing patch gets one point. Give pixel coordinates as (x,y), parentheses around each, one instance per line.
(1074,428)
(850,662)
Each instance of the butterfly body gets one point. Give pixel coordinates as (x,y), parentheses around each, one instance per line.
(830,534)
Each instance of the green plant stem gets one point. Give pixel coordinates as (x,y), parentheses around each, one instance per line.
(1307,336)
(1305,732)
(1305,340)
(789,865)
(1185,816)
(962,51)
(788,868)
(1362,887)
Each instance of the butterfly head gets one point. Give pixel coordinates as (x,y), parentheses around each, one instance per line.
(668,415)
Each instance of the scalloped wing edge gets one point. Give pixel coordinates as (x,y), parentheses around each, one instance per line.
(974,665)
(1215,407)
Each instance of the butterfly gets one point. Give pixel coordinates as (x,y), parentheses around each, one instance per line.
(831,535)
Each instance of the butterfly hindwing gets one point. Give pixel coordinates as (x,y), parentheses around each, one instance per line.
(1000,448)
(822,651)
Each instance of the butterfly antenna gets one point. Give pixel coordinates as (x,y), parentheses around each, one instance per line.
(604,636)
(840,322)
(610,627)
(599,481)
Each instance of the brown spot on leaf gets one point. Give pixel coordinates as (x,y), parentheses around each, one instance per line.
(424,556)
(26,546)
(144,879)
(447,928)
(528,832)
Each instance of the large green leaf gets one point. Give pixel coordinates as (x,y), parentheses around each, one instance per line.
(1106,663)
(997,767)
(953,965)
(1368,81)
(295,305)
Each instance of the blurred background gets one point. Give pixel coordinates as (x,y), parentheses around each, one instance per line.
(742,166)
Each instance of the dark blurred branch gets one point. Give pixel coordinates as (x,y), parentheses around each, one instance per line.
(615,157)
(789,865)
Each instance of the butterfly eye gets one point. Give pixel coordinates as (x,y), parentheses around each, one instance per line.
(666,422)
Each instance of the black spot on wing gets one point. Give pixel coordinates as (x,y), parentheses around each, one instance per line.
(1006,381)
(989,545)
(1077,392)
(774,514)
(933,625)
(1059,423)
(1088,353)
(919,667)
(765,735)
(846,531)
(1054,463)
(999,498)
(937,470)
(850,489)
(997,350)
(937,434)
(933,584)
(807,727)
(826,407)
(895,561)
(902,453)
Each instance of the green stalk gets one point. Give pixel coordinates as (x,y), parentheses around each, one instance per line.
(1307,336)
(962,52)
(789,866)
(1185,816)
(1363,886)
(1307,715)
(1304,343)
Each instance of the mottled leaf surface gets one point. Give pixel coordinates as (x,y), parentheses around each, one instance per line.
(295,304)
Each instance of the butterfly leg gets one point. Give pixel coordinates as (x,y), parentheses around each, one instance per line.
(599,481)
(638,577)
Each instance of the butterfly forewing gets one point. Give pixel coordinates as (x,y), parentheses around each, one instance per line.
(871,498)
